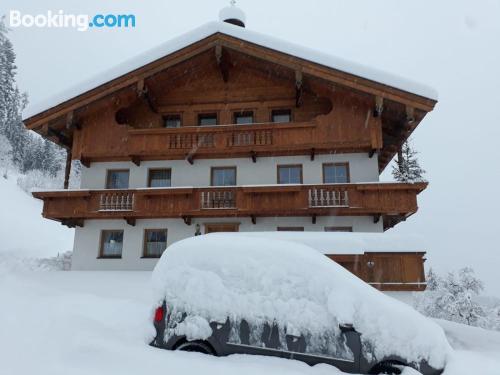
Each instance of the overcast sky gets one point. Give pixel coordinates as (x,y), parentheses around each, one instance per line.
(451,45)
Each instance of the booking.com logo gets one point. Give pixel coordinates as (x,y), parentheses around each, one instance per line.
(59,19)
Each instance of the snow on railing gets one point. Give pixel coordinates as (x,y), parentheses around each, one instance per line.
(328,198)
(218,199)
(116,201)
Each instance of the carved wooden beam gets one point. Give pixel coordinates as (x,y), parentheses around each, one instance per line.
(143,92)
(190,159)
(72,223)
(379,106)
(376,218)
(313,219)
(298,88)
(130,221)
(136,160)
(254,219)
(313,153)
(222,62)
(187,220)
(85,162)
(253,155)
(61,138)
(372,152)
(410,115)
(71,122)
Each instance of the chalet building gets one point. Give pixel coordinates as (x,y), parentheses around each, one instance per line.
(226,129)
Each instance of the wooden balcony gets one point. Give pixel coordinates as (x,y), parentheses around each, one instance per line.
(391,202)
(252,140)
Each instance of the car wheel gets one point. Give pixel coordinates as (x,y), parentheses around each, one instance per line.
(195,346)
(387,368)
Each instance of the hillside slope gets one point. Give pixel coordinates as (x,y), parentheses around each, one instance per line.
(23,230)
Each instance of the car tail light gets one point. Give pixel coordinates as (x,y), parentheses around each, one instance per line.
(159,314)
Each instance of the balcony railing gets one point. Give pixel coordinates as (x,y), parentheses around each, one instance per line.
(117,201)
(328,197)
(393,201)
(213,199)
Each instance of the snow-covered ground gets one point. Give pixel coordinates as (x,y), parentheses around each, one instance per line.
(76,323)
(56,322)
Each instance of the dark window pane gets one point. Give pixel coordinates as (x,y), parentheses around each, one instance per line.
(207,119)
(281,115)
(172,121)
(155,242)
(159,178)
(243,118)
(335,173)
(338,229)
(290,174)
(290,229)
(117,180)
(223,176)
(112,243)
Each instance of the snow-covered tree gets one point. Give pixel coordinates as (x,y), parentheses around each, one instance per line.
(453,298)
(406,167)
(5,156)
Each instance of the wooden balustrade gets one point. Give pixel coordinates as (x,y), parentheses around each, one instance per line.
(392,201)
(117,201)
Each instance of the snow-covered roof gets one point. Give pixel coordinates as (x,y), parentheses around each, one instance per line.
(211,28)
(345,242)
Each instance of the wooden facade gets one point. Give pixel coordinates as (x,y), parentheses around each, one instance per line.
(185,106)
(386,271)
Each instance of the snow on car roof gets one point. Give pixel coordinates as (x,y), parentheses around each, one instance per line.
(211,28)
(347,242)
(260,279)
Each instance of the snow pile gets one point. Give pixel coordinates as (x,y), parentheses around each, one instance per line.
(260,279)
(23,230)
(348,242)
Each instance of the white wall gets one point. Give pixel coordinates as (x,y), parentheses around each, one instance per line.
(264,171)
(87,239)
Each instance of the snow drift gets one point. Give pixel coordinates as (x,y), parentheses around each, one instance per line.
(260,279)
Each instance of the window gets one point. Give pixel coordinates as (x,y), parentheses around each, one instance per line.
(117,179)
(336,173)
(245,117)
(289,174)
(290,229)
(111,244)
(338,229)
(155,242)
(222,227)
(207,119)
(159,178)
(223,176)
(172,121)
(281,115)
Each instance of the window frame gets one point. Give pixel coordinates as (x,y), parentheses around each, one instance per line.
(285,166)
(145,242)
(223,167)
(336,228)
(244,113)
(158,169)
(274,110)
(108,173)
(206,114)
(289,229)
(348,172)
(166,115)
(101,254)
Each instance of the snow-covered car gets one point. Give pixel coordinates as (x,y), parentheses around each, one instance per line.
(224,294)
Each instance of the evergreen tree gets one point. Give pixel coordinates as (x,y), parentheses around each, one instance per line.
(407,168)
(28,151)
